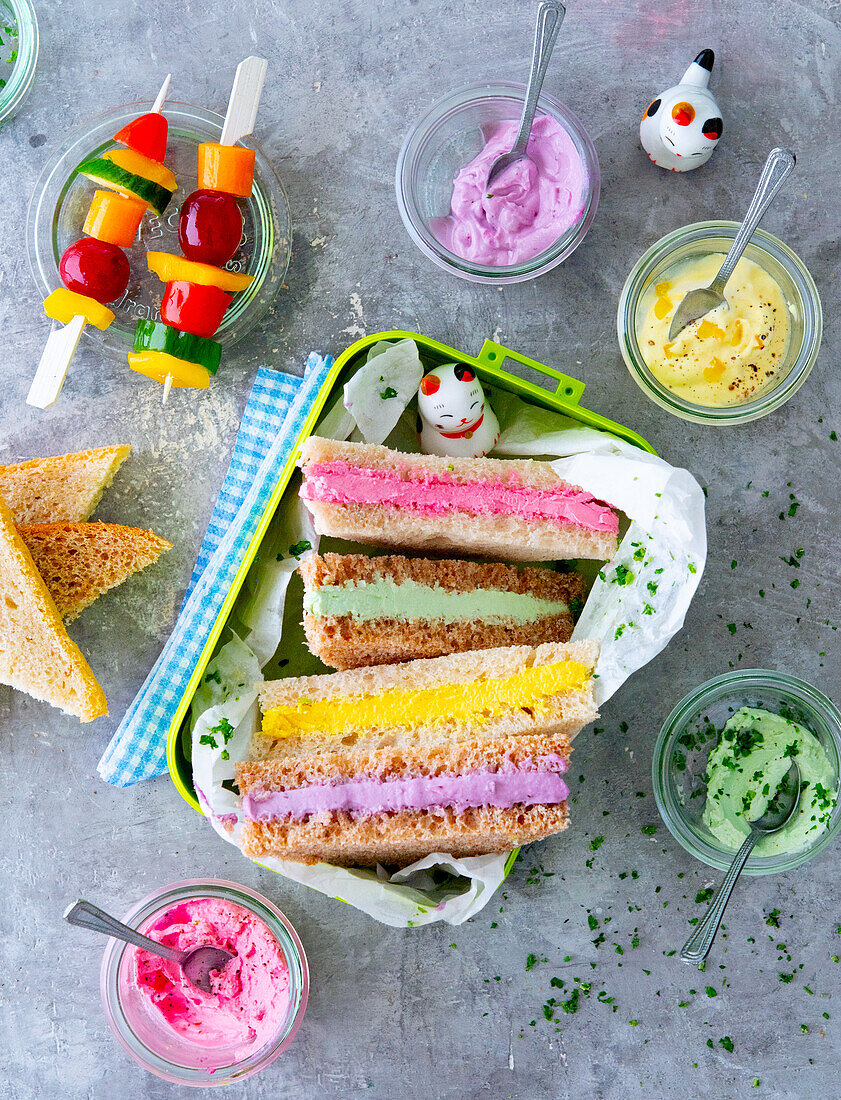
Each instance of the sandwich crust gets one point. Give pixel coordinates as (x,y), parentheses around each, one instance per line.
(61,489)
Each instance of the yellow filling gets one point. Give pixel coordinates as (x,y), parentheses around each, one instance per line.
(476,703)
(732,353)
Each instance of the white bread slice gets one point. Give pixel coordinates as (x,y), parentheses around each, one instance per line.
(36,654)
(488,536)
(80,561)
(568,713)
(505,536)
(400,838)
(63,489)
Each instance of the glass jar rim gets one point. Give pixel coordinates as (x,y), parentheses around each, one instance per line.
(691,705)
(419,135)
(23,70)
(770,399)
(159,902)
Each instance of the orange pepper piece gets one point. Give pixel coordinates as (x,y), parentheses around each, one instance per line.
(709,328)
(227,168)
(714,371)
(114,218)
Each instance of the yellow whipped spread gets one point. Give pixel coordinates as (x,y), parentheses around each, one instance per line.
(729,355)
(475,703)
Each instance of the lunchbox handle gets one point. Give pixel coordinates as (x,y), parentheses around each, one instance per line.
(493,355)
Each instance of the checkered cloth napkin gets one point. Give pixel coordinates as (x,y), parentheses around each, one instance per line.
(276,410)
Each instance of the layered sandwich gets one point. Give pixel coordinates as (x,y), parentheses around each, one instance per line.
(519,508)
(462,754)
(367,611)
(394,806)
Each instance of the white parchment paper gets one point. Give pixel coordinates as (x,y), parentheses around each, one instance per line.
(635,606)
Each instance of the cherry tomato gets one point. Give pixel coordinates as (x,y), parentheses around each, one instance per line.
(193,308)
(210,227)
(95,268)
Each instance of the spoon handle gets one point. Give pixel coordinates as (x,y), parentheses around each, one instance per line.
(85,915)
(550,15)
(697,947)
(778,167)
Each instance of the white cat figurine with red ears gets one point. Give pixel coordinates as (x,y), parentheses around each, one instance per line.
(681,127)
(455,419)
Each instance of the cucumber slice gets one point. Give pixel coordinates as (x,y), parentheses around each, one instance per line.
(156,336)
(107,174)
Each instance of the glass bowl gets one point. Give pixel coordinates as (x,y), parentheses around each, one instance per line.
(61,200)
(787,270)
(447,138)
(18,53)
(691,732)
(142,1033)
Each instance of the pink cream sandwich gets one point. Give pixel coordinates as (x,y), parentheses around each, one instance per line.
(513,508)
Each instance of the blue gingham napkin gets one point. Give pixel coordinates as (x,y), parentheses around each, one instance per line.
(276,410)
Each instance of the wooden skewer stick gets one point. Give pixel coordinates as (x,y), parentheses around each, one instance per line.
(245,99)
(158,105)
(54,363)
(167,388)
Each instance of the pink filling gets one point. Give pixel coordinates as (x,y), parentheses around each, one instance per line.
(249,999)
(436,494)
(502,789)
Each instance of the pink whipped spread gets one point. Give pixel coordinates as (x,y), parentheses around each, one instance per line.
(503,789)
(249,998)
(434,495)
(527,207)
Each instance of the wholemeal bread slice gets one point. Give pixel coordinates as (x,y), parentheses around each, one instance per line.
(365,839)
(80,561)
(63,489)
(466,527)
(427,608)
(36,654)
(564,713)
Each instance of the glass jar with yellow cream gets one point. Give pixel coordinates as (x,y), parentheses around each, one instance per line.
(741,360)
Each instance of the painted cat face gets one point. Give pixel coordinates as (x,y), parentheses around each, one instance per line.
(687,121)
(451,398)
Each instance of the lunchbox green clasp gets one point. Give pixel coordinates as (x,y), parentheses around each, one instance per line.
(493,355)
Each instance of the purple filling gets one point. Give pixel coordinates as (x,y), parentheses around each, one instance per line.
(502,789)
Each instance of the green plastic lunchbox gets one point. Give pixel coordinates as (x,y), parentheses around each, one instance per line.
(488,364)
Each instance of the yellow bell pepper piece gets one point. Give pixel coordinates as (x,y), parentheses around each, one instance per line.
(171,269)
(158,364)
(63,305)
(132,161)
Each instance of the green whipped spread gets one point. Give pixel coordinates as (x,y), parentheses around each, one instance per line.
(744,772)
(384,599)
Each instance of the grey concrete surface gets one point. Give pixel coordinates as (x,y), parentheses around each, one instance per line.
(446,1012)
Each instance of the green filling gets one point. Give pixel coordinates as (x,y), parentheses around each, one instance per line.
(744,770)
(409,601)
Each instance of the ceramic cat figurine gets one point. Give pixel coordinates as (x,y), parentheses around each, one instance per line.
(455,419)
(681,127)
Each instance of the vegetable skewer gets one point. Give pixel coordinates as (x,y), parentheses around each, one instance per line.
(198,287)
(94,269)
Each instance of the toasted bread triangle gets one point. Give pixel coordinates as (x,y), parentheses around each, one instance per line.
(80,561)
(63,489)
(36,654)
